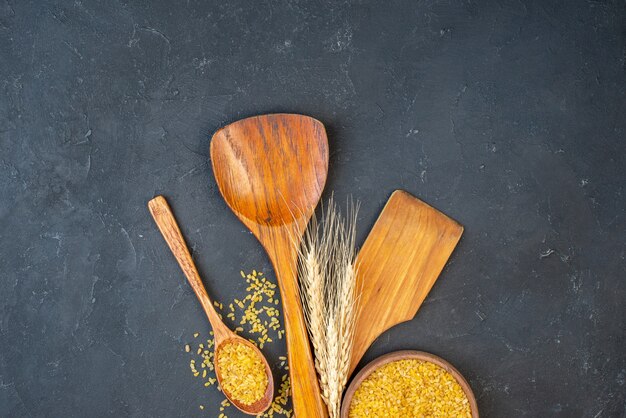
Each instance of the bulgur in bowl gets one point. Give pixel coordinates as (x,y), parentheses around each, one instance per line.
(409,384)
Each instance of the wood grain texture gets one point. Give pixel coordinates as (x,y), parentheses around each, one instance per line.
(398,264)
(271,170)
(377,363)
(164,218)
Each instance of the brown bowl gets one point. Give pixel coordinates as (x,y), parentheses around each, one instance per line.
(404,355)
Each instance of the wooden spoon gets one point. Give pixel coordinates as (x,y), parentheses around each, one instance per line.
(271,170)
(166,222)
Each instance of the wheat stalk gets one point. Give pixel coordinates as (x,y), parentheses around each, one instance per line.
(328,291)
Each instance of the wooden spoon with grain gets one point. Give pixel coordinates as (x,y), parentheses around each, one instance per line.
(223,336)
(271,170)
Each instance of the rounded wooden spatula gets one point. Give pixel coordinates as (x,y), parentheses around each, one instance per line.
(271,170)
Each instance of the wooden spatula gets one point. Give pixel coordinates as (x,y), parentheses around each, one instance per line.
(398,265)
(271,170)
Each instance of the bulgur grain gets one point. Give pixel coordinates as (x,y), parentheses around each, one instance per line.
(258,289)
(410,388)
(243,372)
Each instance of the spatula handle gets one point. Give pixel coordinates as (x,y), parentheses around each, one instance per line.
(166,222)
(305,389)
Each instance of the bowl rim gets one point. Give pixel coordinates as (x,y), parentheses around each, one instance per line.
(404,355)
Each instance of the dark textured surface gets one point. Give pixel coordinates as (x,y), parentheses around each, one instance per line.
(508,116)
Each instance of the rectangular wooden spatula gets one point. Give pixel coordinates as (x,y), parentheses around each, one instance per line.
(398,265)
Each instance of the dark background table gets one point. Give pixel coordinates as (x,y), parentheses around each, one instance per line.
(508,116)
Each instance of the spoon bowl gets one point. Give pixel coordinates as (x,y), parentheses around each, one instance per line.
(260,405)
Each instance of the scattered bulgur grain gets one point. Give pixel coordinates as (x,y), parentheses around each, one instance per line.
(409,388)
(254,317)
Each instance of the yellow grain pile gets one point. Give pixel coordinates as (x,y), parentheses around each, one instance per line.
(410,388)
(243,372)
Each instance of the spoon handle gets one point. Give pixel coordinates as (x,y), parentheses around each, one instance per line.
(166,222)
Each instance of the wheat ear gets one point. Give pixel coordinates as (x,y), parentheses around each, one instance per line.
(328,291)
